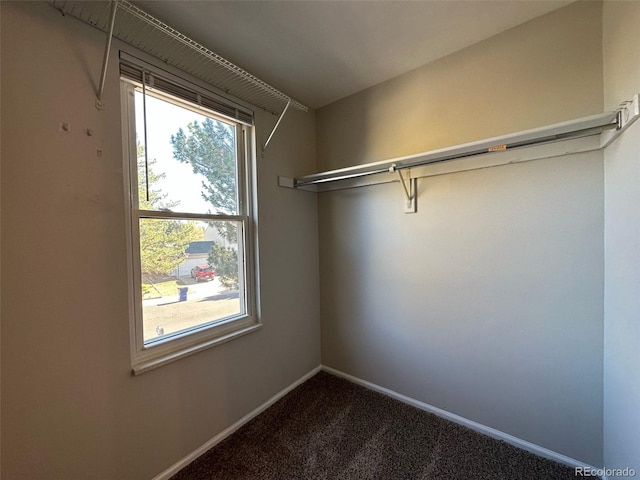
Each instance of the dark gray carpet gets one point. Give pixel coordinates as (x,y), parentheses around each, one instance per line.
(329,429)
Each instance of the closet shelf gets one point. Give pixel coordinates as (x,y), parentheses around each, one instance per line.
(607,125)
(136,27)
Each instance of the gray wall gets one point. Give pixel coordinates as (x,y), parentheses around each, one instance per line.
(489,301)
(70,407)
(622,245)
(544,71)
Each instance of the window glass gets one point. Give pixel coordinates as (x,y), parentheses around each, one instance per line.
(184,150)
(191,247)
(187,281)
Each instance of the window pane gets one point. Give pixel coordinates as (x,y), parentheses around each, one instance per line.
(190,274)
(191,159)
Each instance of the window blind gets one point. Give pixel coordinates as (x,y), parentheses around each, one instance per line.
(155,78)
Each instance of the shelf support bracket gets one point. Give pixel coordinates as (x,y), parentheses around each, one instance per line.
(627,113)
(107,50)
(409,192)
(286,107)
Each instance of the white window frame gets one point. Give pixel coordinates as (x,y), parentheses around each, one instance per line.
(166,350)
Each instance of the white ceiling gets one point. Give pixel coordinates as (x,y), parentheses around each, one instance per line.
(321,51)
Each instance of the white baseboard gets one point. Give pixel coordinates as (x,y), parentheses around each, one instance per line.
(478,427)
(179,465)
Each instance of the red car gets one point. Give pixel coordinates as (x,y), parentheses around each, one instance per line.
(203,272)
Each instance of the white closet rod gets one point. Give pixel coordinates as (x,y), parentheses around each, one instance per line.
(593,125)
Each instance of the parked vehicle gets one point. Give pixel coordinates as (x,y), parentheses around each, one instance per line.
(203,272)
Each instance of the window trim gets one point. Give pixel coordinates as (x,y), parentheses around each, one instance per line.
(145,358)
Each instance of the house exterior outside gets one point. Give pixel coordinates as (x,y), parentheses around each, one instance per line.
(197,253)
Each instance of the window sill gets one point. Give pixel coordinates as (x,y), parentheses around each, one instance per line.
(147,364)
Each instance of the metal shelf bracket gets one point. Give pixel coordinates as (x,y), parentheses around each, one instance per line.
(286,107)
(105,60)
(410,192)
(627,113)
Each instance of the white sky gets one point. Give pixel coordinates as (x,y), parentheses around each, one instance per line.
(163,120)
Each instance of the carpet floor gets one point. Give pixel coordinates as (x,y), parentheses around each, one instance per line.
(331,429)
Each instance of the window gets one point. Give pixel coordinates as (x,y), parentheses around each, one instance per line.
(189,195)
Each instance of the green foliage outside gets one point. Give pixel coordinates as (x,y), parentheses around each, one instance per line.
(225,262)
(162,242)
(159,290)
(210,149)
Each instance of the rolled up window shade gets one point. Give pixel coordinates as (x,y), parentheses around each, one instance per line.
(155,78)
